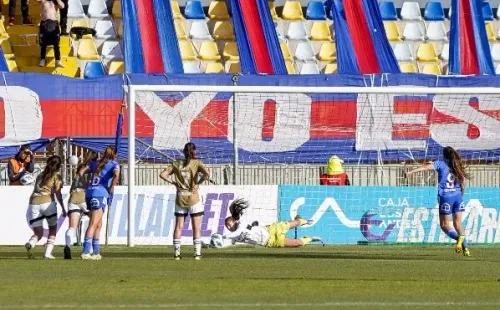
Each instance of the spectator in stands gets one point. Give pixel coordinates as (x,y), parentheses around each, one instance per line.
(19,165)
(50,32)
(24,11)
(335,174)
(64,18)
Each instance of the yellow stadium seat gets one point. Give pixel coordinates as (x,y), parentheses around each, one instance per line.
(26,51)
(37,69)
(292,10)
(24,39)
(431,69)
(87,50)
(81,23)
(426,52)
(73,72)
(7,49)
(223,30)
(209,51)
(272,9)
(327,52)
(187,50)
(3,32)
(285,51)
(64,41)
(116,11)
(214,67)
(234,67)
(490,32)
(408,67)
(176,11)
(231,51)
(66,61)
(65,51)
(289,67)
(330,68)
(119,28)
(23,62)
(22,29)
(320,31)
(218,10)
(392,31)
(116,67)
(12,65)
(180,30)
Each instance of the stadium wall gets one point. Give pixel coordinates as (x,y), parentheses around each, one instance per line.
(342,215)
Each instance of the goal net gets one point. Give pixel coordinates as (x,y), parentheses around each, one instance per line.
(337,156)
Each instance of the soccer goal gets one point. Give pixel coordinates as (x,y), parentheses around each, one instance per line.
(277,145)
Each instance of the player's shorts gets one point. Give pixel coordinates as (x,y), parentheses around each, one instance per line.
(277,234)
(77,208)
(449,204)
(47,211)
(96,203)
(197,209)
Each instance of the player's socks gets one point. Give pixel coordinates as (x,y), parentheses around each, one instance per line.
(465,243)
(452,234)
(33,240)
(306,240)
(96,246)
(87,244)
(49,247)
(70,237)
(177,248)
(458,246)
(197,248)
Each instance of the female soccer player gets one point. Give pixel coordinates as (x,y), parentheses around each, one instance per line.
(451,188)
(42,206)
(99,195)
(271,236)
(185,179)
(77,205)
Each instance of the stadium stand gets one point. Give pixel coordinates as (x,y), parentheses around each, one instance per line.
(207,39)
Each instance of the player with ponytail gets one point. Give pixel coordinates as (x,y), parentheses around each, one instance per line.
(99,195)
(43,206)
(272,236)
(184,175)
(451,188)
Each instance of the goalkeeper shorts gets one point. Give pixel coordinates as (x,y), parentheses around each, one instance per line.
(277,234)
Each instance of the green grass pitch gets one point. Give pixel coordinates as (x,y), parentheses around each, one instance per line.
(342,277)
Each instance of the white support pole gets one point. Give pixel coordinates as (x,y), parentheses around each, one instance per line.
(235,138)
(131,166)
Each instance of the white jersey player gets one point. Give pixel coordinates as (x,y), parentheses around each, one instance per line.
(272,236)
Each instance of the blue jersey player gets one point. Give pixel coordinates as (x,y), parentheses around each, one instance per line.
(451,188)
(99,195)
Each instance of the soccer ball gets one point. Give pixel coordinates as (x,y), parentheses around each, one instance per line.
(217,240)
(73,160)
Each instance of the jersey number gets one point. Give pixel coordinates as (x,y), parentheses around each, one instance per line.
(96,180)
(450,180)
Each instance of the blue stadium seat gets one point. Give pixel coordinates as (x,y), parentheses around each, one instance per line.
(487,11)
(315,11)
(194,10)
(93,69)
(388,11)
(434,11)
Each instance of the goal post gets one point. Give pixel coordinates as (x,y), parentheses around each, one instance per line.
(416,134)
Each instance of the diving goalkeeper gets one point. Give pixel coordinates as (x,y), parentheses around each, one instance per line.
(271,236)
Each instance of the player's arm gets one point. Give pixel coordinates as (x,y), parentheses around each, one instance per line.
(462,187)
(60,4)
(59,197)
(205,175)
(164,175)
(424,167)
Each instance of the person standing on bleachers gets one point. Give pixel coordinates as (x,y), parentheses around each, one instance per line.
(20,165)
(50,33)
(24,11)
(63,12)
